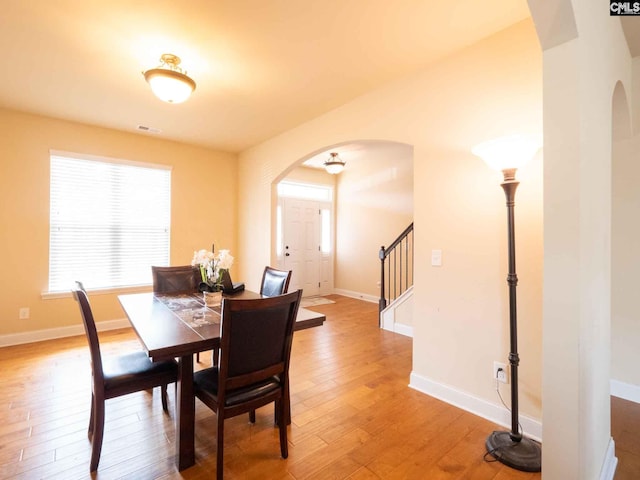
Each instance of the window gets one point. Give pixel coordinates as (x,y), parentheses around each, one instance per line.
(109,221)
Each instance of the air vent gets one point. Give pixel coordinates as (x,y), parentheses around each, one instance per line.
(144,128)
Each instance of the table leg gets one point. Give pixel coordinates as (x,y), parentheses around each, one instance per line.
(185,414)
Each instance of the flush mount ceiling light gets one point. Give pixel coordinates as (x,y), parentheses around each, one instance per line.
(334,164)
(168,81)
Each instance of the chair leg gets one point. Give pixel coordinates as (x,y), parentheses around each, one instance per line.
(287,406)
(98,432)
(214,357)
(220,448)
(252,416)
(287,402)
(198,357)
(163,394)
(282,426)
(91,415)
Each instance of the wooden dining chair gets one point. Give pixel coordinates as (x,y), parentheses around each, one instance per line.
(177,279)
(255,348)
(274,281)
(181,278)
(117,376)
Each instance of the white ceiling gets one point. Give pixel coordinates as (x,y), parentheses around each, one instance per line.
(261,66)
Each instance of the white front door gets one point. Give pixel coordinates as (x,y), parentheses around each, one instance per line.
(301,244)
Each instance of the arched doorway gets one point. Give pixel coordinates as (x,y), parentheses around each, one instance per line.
(625,263)
(372,201)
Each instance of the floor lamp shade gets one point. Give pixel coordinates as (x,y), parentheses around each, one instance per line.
(507,154)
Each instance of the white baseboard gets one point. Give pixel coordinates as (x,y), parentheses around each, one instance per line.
(394,316)
(610,462)
(389,322)
(493,412)
(359,296)
(626,391)
(60,332)
(405,330)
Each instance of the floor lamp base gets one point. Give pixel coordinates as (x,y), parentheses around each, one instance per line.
(525,455)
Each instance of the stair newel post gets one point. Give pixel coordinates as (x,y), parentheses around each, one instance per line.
(383,302)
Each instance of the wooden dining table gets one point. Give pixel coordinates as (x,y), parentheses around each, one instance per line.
(178,326)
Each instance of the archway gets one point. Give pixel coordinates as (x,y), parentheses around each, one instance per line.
(373,201)
(625,262)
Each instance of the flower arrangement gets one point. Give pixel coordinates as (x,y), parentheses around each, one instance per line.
(212,266)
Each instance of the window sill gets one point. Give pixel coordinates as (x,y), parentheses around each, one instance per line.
(98,291)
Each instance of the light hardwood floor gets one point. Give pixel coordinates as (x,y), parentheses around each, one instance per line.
(625,430)
(353,416)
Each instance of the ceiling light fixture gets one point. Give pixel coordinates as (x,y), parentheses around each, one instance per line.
(334,164)
(168,81)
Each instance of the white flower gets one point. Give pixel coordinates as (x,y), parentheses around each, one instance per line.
(211,264)
(225,260)
(203,257)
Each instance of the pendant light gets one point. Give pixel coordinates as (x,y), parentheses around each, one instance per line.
(168,81)
(334,164)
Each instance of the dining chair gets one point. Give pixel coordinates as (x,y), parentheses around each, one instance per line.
(255,348)
(177,279)
(274,281)
(181,278)
(117,376)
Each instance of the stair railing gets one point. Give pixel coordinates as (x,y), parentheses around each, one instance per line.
(396,268)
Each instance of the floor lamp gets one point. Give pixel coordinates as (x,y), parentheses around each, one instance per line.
(507,154)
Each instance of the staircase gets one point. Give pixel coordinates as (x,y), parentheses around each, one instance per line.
(396,284)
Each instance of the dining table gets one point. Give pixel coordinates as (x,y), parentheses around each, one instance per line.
(178,325)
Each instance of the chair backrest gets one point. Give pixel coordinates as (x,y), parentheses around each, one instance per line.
(80,295)
(255,339)
(274,281)
(183,278)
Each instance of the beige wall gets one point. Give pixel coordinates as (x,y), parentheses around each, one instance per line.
(311,175)
(374,205)
(625,227)
(580,75)
(203,208)
(625,262)
(460,316)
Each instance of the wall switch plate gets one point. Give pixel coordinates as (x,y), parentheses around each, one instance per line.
(500,372)
(436,258)
(24,313)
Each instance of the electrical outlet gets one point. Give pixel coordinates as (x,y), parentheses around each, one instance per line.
(24,313)
(500,372)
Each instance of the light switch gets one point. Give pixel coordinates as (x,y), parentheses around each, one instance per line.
(436,258)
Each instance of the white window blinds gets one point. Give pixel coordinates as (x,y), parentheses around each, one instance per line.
(109,222)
